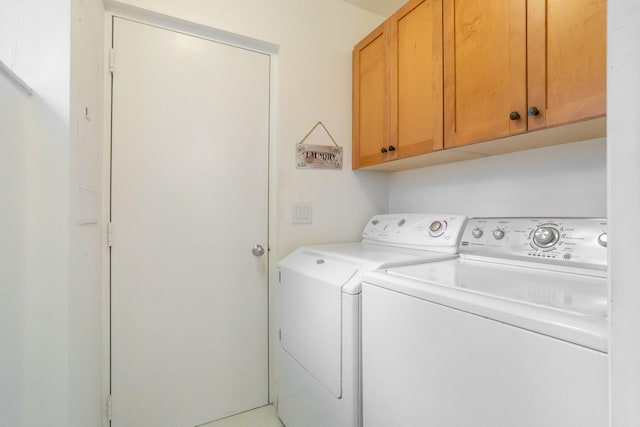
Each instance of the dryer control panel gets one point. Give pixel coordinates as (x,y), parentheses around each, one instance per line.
(435,232)
(571,242)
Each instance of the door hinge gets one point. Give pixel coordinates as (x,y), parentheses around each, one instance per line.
(112,55)
(109,408)
(279,276)
(109,234)
(279,334)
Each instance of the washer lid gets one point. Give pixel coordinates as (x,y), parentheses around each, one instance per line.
(568,306)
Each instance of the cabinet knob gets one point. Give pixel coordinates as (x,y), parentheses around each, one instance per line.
(532,111)
(514,115)
(383,150)
(392,148)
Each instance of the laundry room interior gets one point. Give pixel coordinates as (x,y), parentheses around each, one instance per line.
(93,206)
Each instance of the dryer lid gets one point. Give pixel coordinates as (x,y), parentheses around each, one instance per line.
(309,301)
(329,269)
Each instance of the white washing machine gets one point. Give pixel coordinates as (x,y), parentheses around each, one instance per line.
(318,311)
(512,333)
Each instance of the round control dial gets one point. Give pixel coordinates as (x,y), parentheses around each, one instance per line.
(436,228)
(545,237)
(602,240)
(477,233)
(498,234)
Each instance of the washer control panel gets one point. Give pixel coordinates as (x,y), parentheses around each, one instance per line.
(575,242)
(420,231)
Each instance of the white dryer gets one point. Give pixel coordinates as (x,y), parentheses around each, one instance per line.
(512,333)
(318,313)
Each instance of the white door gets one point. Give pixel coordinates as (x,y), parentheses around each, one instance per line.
(189,201)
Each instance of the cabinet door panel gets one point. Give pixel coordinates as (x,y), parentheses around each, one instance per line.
(484,69)
(371,117)
(416,52)
(567,60)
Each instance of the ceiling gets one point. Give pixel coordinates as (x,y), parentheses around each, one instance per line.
(383,8)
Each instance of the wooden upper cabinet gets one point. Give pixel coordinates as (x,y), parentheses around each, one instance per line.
(512,66)
(566,60)
(484,69)
(398,86)
(371,114)
(448,73)
(416,78)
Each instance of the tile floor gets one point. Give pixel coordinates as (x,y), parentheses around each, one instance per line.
(260,417)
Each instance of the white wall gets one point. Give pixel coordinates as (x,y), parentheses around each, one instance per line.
(86,308)
(36,45)
(13,110)
(623,151)
(564,180)
(51,371)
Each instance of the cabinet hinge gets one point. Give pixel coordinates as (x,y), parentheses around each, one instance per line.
(112,55)
(109,408)
(109,234)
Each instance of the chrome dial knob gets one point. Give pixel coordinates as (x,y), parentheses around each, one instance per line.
(602,240)
(436,229)
(498,234)
(477,233)
(545,237)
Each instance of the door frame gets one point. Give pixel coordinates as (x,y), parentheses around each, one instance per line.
(115,9)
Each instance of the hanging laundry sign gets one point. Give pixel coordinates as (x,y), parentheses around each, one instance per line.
(318,156)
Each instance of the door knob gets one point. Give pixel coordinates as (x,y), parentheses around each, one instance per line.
(257,250)
(514,115)
(383,150)
(392,148)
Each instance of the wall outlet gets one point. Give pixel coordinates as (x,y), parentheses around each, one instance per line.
(301,213)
